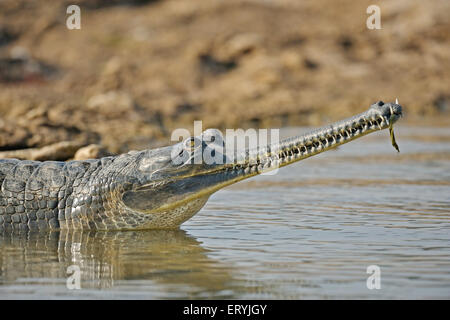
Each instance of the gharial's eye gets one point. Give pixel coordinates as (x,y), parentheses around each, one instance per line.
(191,143)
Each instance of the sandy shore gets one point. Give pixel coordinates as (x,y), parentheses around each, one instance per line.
(136,70)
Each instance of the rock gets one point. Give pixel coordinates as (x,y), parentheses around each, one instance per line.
(111,103)
(6,36)
(242,44)
(292,60)
(19,66)
(12,136)
(58,151)
(92,151)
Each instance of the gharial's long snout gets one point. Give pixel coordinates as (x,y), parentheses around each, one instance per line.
(379,116)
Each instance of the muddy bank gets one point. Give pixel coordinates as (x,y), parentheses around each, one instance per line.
(139,69)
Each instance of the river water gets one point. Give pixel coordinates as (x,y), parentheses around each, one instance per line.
(308,232)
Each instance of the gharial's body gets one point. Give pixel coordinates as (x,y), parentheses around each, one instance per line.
(154,189)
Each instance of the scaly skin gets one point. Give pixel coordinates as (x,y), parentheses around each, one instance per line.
(154,189)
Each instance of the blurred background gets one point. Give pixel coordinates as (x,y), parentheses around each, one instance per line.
(138,69)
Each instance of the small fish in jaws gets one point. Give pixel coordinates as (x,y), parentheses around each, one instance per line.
(391,132)
(394,143)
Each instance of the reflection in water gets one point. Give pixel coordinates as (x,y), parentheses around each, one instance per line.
(167,258)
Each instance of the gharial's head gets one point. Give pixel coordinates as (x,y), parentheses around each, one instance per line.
(173,183)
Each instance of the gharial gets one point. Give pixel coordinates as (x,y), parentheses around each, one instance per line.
(159,188)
